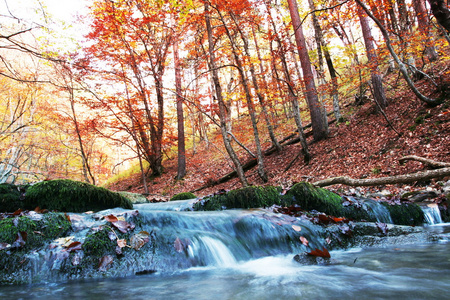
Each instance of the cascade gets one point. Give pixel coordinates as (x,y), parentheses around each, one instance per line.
(378,211)
(432,214)
(178,239)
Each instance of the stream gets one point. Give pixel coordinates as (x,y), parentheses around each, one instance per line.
(249,255)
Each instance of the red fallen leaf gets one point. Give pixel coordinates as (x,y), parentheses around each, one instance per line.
(320,253)
(75,246)
(304,241)
(178,244)
(17,212)
(324,219)
(111,218)
(67,217)
(382,227)
(337,220)
(105,262)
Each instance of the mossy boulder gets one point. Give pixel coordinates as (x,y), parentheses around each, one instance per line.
(11,197)
(183,196)
(405,213)
(248,197)
(309,197)
(73,196)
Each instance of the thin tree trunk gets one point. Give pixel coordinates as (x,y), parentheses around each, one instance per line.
(180,117)
(317,117)
(222,108)
(400,64)
(441,12)
(377,83)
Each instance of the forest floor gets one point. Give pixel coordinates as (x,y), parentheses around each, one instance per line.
(364,146)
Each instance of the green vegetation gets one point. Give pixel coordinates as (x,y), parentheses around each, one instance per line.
(99,243)
(248,197)
(405,213)
(183,196)
(11,197)
(309,197)
(73,196)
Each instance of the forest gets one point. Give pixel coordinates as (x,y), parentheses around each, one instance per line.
(160,97)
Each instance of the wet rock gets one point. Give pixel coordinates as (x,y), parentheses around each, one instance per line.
(420,196)
(308,260)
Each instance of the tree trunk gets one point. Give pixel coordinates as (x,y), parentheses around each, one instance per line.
(400,64)
(222,108)
(424,28)
(377,83)
(441,12)
(322,46)
(408,178)
(317,117)
(180,117)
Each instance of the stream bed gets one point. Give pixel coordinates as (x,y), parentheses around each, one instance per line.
(413,271)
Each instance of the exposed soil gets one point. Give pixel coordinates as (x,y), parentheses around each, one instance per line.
(364,146)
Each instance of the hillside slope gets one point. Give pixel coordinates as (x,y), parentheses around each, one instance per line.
(365,146)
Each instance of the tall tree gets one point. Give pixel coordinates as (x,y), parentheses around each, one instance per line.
(377,83)
(318,119)
(441,12)
(220,101)
(180,114)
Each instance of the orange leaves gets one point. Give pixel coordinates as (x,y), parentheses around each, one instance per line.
(320,253)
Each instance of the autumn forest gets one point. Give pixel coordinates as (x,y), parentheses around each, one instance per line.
(207,90)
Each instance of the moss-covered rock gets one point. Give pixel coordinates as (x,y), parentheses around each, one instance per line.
(99,243)
(38,232)
(309,197)
(405,213)
(248,197)
(183,196)
(11,197)
(73,196)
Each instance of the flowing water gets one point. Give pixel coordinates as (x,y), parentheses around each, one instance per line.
(246,254)
(432,214)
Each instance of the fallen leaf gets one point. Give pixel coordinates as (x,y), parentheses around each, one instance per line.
(111,218)
(4,246)
(105,263)
(178,244)
(382,227)
(320,253)
(138,240)
(296,228)
(20,240)
(121,243)
(75,246)
(122,226)
(304,241)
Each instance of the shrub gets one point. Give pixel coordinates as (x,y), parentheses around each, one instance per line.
(73,196)
(183,196)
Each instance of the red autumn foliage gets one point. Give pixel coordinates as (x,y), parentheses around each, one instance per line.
(320,253)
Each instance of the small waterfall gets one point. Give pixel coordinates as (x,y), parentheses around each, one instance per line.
(378,211)
(179,205)
(213,252)
(432,214)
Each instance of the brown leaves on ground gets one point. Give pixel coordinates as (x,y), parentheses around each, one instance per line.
(362,147)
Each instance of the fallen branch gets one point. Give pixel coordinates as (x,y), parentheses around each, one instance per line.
(408,178)
(429,162)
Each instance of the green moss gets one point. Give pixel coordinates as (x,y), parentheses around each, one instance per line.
(248,197)
(99,243)
(73,196)
(39,232)
(309,197)
(405,213)
(183,196)
(11,197)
